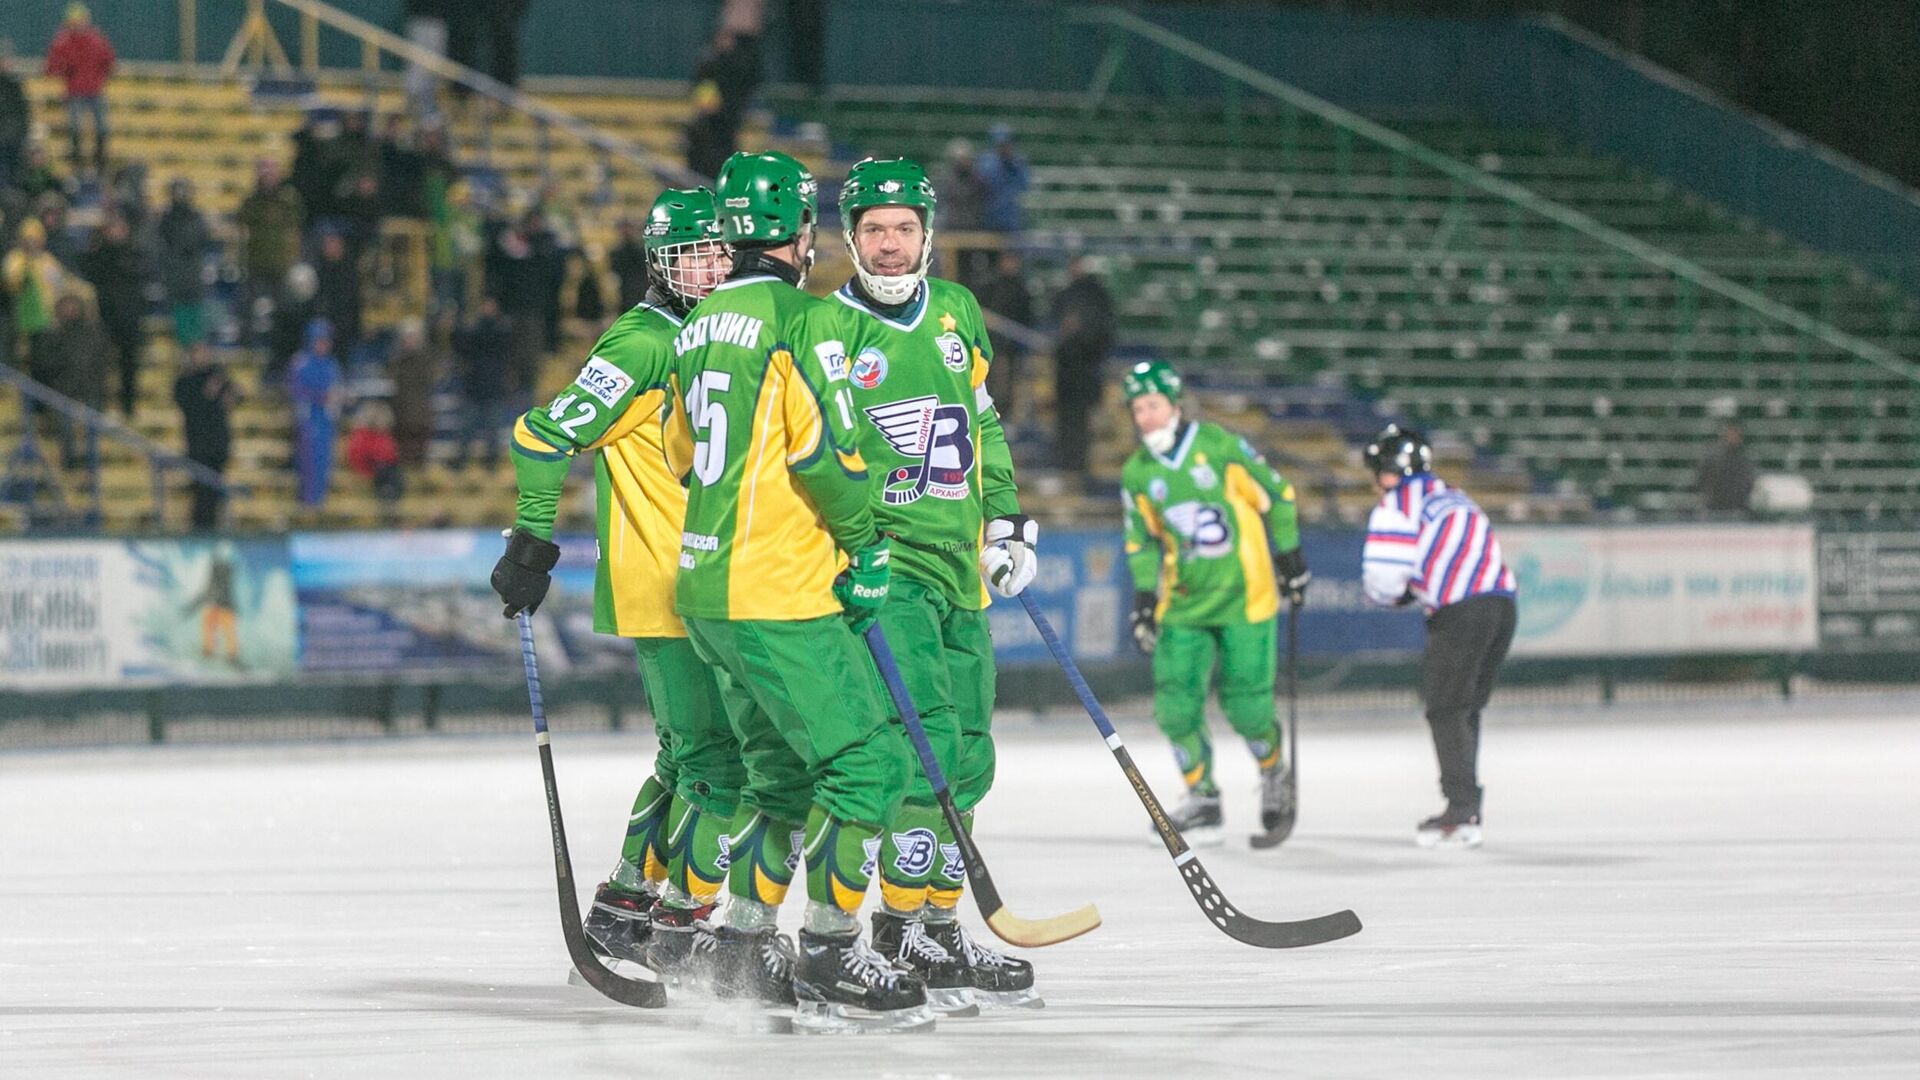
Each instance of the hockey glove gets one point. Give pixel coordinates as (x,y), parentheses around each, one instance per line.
(1291,567)
(1007,561)
(862,589)
(521,577)
(1144,621)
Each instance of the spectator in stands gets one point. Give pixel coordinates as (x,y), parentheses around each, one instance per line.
(521,281)
(403,172)
(502,20)
(629,264)
(357,208)
(72,359)
(724,83)
(426,27)
(294,309)
(483,350)
(37,179)
(1725,478)
(1006,294)
(182,240)
(373,453)
(271,216)
(1004,177)
(339,299)
(455,241)
(414,367)
(316,170)
(126,195)
(16,118)
(34,279)
(118,270)
(589,303)
(82,59)
(206,397)
(62,239)
(313,386)
(1084,314)
(963,195)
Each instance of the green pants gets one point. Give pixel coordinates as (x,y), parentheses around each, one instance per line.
(677,819)
(1183,666)
(945,654)
(699,758)
(810,727)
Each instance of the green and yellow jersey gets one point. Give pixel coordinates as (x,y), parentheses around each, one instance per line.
(617,408)
(931,434)
(1203,522)
(777,481)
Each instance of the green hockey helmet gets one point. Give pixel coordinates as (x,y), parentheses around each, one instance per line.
(685,258)
(765,199)
(895,182)
(1153,377)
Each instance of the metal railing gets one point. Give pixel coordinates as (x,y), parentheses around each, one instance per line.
(256,45)
(1409,154)
(26,474)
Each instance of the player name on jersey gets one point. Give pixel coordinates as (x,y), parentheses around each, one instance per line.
(726,327)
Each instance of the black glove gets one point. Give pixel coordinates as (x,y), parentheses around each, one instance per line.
(521,576)
(1291,568)
(1143,621)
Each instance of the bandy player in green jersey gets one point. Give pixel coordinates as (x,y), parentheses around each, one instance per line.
(918,353)
(616,409)
(1212,541)
(778,501)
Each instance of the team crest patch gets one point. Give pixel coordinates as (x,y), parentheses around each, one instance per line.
(915,849)
(833,358)
(604,381)
(1157,490)
(870,847)
(869,368)
(953,351)
(952,866)
(1204,475)
(797,842)
(937,436)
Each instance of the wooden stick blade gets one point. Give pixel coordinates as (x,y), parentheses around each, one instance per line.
(1038,933)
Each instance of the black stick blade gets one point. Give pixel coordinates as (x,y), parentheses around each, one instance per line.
(1256,932)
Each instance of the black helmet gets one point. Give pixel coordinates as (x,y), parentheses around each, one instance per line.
(1400,450)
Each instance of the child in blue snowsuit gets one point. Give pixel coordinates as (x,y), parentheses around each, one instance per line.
(313,382)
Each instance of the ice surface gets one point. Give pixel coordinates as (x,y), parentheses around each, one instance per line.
(1664,892)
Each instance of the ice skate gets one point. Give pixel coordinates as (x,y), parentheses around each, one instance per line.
(671,945)
(844,986)
(998,980)
(908,944)
(1199,819)
(1277,806)
(753,965)
(619,921)
(1455,827)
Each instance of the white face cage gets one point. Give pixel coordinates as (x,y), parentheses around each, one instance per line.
(692,269)
(892,288)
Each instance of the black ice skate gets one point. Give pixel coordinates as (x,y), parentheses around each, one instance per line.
(908,944)
(1278,807)
(844,986)
(1199,820)
(753,965)
(1455,827)
(619,921)
(671,951)
(998,979)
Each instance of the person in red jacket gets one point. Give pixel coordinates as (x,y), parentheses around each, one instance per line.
(81,57)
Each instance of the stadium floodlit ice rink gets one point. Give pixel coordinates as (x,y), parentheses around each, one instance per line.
(1666,890)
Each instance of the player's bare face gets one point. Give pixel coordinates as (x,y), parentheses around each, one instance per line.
(1386,482)
(888,240)
(1151,412)
(705,266)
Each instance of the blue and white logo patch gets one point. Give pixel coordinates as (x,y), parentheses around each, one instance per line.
(797,842)
(869,368)
(604,381)
(871,846)
(1157,490)
(939,436)
(833,357)
(952,866)
(953,351)
(914,851)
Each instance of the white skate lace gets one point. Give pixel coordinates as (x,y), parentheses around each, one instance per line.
(917,942)
(704,939)
(870,967)
(979,955)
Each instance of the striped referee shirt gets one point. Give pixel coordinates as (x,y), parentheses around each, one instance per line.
(1430,544)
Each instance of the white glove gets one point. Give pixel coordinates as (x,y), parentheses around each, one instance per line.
(1007,561)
